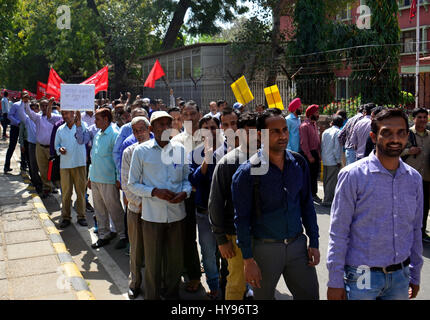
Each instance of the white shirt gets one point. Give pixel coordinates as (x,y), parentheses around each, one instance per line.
(149,170)
(88,120)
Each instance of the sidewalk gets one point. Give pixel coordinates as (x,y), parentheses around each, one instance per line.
(34,262)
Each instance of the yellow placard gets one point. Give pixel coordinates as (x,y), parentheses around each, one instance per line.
(273,97)
(241,91)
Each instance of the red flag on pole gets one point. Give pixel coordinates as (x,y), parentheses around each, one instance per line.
(54,84)
(156,73)
(41,90)
(100,79)
(413,10)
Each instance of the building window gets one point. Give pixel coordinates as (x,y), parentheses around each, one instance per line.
(187,67)
(407,3)
(178,69)
(197,67)
(408,41)
(171,69)
(344,14)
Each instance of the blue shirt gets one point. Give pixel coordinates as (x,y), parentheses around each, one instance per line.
(202,182)
(331,150)
(13,113)
(376,219)
(150,169)
(102,168)
(286,202)
(293,124)
(76,154)
(124,132)
(4,105)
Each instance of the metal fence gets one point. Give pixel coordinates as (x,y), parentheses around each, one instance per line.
(336,93)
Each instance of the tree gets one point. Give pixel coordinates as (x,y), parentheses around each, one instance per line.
(380,62)
(203,15)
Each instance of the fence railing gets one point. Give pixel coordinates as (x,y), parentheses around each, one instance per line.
(322,91)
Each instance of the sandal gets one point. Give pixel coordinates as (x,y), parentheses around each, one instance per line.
(193,286)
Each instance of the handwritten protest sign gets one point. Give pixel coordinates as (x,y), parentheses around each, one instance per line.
(77,97)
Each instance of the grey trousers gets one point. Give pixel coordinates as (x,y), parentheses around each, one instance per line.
(330,180)
(159,239)
(135,236)
(107,204)
(290,261)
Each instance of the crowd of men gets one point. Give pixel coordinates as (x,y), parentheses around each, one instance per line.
(247,181)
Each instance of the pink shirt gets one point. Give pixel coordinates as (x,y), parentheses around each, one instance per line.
(309,138)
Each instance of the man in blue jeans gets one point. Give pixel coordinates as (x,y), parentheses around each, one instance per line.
(346,134)
(380,238)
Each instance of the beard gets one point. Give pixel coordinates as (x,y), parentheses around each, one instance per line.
(298,112)
(388,150)
(315,118)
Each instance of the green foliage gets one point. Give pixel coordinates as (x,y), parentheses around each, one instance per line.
(380,62)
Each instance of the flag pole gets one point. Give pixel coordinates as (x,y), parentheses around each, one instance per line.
(417,70)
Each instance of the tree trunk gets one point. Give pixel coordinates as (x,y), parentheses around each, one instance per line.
(276,41)
(120,77)
(175,25)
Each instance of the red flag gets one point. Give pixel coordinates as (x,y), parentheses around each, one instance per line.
(413,11)
(156,73)
(41,90)
(100,79)
(54,84)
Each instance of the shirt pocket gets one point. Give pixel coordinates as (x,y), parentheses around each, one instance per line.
(176,173)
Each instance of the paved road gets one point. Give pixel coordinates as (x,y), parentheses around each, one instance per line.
(106,269)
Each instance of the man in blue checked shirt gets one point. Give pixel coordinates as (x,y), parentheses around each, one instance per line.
(375,248)
(270,225)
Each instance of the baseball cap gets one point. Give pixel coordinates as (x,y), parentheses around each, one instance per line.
(158,115)
(237,105)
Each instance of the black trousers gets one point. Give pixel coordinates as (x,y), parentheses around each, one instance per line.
(4,122)
(13,139)
(426,191)
(34,169)
(191,255)
(25,157)
(314,170)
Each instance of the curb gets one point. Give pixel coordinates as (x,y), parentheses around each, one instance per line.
(70,269)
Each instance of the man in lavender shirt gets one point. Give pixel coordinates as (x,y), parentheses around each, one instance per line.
(375,248)
(43,138)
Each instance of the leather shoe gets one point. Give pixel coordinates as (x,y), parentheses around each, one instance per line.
(100,243)
(64,224)
(6,170)
(133,293)
(83,222)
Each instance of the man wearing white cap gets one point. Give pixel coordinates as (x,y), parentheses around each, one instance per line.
(159,176)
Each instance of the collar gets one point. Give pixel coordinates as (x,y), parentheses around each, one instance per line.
(262,157)
(108,130)
(426,132)
(376,166)
(154,144)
